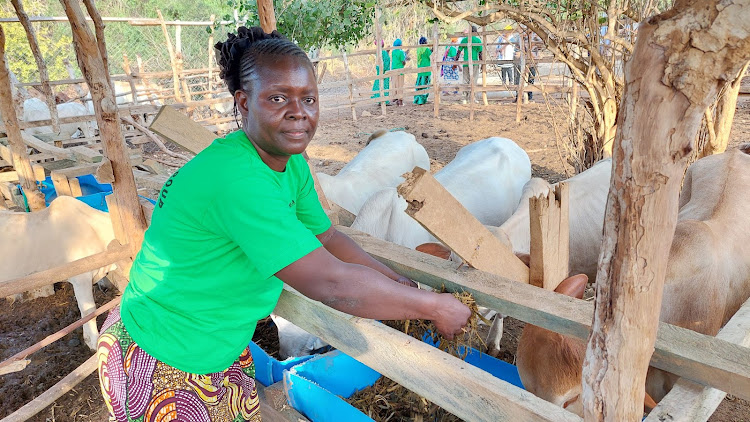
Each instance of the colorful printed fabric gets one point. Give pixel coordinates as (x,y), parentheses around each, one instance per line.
(138,388)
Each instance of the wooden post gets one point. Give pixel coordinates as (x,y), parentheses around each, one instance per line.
(99,29)
(471,76)
(349,84)
(267,16)
(379,59)
(484,65)
(20,158)
(180,59)
(523,69)
(436,70)
(49,96)
(430,203)
(131,79)
(550,238)
(658,121)
(211,55)
(126,210)
(175,76)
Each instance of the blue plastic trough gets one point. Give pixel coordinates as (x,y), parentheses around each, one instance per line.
(316,386)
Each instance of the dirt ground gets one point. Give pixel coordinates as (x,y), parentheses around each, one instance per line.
(337,141)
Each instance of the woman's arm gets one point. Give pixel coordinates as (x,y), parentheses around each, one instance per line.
(359,290)
(344,248)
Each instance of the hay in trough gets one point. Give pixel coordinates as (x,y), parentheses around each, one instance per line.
(388,401)
(460,344)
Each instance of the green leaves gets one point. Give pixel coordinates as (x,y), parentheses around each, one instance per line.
(315,23)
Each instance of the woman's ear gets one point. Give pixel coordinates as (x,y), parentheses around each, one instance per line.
(241,99)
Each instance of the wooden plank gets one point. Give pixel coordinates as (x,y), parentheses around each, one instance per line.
(274,404)
(82,153)
(550,238)
(75,187)
(691,402)
(151,181)
(445,218)
(180,129)
(55,392)
(9,176)
(39,279)
(43,147)
(703,359)
(39,173)
(464,390)
(61,184)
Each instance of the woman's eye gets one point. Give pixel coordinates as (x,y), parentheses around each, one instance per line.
(309,100)
(277,99)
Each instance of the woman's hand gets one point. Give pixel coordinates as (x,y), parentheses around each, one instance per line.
(451,315)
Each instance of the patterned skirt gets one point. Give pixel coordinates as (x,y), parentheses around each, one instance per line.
(137,387)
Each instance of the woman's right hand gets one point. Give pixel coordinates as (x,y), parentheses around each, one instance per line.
(450,315)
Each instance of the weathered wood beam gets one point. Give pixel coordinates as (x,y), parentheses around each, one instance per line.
(550,237)
(181,129)
(19,156)
(464,390)
(675,72)
(44,278)
(266,15)
(445,218)
(701,358)
(127,209)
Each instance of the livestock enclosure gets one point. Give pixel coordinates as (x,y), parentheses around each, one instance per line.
(131,156)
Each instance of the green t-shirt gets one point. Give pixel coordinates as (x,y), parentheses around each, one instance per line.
(399,59)
(423,57)
(476,48)
(224,224)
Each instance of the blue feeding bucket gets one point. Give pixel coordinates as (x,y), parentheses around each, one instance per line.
(316,387)
(269,370)
(94,193)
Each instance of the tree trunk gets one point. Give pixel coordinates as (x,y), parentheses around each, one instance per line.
(725,109)
(267,16)
(681,59)
(21,161)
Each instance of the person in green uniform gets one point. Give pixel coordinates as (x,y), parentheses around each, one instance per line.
(398,62)
(229,229)
(476,54)
(386,81)
(423,78)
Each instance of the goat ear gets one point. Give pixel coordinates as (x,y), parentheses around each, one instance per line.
(573,286)
(526,258)
(435,249)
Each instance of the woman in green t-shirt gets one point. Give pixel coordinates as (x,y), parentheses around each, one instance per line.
(386,81)
(423,78)
(235,223)
(398,62)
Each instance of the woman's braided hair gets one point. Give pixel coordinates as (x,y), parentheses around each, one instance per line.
(238,55)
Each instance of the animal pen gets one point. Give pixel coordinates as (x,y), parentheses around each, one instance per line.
(709,366)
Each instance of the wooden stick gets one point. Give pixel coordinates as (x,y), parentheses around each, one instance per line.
(23,354)
(549,249)
(266,15)
(65,271)
(471,76)
(430,203)
(19,156)
(49,96)
(210,55)
(379,59)
(349,84)
(464,390)
(523,69)
(172,60)
(155,139)
(131,79)
(435,71)
(484,65)
(48,397)
(99,30)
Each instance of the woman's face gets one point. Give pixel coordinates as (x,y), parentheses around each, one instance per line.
(280,114)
